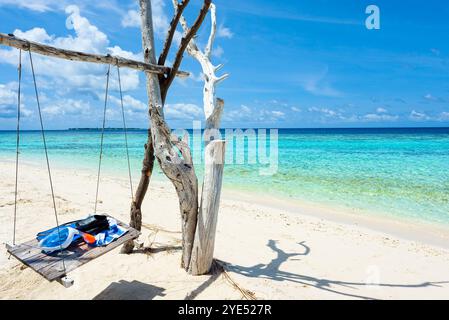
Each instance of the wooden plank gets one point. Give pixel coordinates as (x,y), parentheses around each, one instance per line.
(55,270)
(51,266)
(12,41)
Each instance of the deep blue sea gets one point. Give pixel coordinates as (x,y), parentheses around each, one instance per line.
(395,172)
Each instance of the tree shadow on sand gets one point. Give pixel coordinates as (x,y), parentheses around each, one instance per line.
(272,271)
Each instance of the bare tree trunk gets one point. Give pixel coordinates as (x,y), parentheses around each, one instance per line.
(178,168)
(136,212)
(174,156)
(203,247)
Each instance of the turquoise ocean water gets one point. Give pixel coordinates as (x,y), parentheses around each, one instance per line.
(396,172)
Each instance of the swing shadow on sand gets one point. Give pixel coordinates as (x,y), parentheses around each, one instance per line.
(134,290)
(272,272)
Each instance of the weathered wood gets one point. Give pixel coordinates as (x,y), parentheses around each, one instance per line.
(51,267)
(189,35)
(12,41)
(180,172)
(174,157)
(171,31)
(136,205)
(203,247)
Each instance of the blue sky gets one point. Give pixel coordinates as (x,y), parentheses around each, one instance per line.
(305,63)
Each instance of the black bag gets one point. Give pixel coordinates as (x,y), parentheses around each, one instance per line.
(93,224)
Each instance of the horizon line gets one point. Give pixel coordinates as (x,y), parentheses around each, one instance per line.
(283,128)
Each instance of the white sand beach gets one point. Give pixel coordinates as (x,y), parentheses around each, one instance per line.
(271,248)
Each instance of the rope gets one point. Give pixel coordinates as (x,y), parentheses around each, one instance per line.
(46,157)
(102,136)
(17,146)
(126,133)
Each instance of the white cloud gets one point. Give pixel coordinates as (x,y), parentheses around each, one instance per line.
(278,114)
(341,115)
(68,75)
(435,51)
(245,113)
(67,107)
(217,52)
(316,88)
(34,5)
(430,97)
(380,117)
(240,114)
(224,32)
(317,84)
(197,78)
(8,93)
(57,5)
(245,109)
(161,21)
(444,116)
(134,104)
(8,101)
(418,116)
(130,104)
(295,109)
(182,111)
(88,37)
(131,19)
(270,115)
(329,113)
(35,34)
(117,51)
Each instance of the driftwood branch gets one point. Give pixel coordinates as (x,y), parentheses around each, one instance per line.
(203,246)
(12,41)
(213,30)
(171,31)
(204,243)
(184,43)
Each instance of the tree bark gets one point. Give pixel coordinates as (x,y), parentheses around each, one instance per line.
(174,156)
(189,35)
(178,168)
(136,205)
(203,247)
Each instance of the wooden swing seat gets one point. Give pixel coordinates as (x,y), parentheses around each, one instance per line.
(51,266)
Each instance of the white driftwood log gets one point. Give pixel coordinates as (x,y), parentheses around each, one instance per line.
(12,41)
(203,246)
(179,169)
